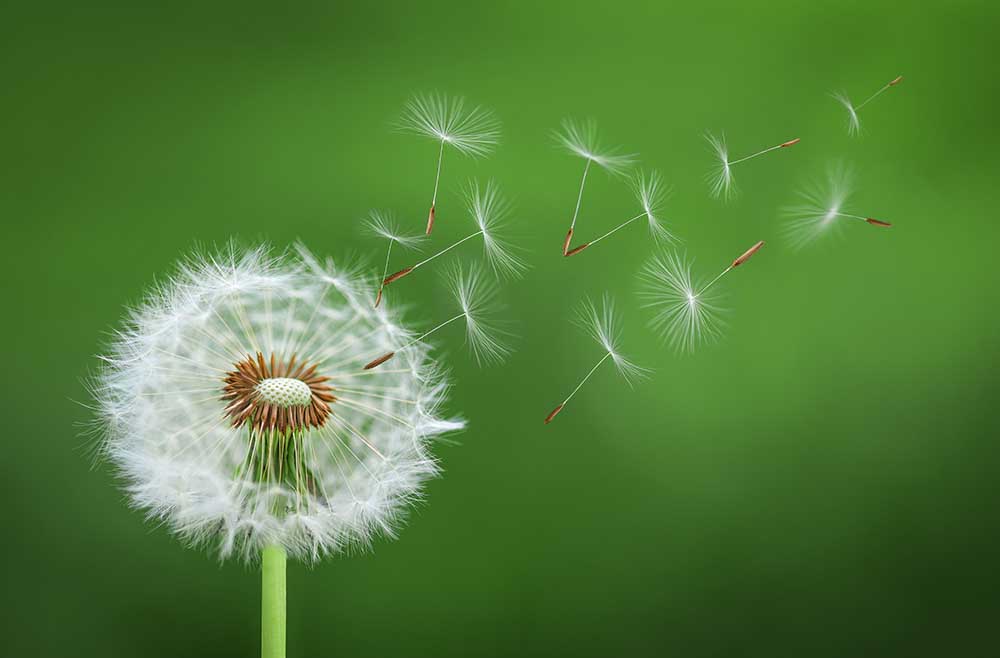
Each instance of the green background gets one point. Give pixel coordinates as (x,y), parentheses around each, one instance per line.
(822,482)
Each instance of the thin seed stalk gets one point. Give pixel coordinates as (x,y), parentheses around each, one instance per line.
(272,602)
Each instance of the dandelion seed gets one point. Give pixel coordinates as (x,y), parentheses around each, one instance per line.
(383,225)
(581,139)
(685,313)
(651,193)
(476,297)
(491,214)
(822,209)
(603,325)
(474,132)
(235,409)
(853,122)
(721,179)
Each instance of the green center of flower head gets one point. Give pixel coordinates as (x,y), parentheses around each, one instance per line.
(284,392)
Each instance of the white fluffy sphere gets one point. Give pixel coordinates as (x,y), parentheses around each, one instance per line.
(211,437)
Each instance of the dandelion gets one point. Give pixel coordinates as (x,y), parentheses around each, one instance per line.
(853,122)
(235,409)
(581,139)
(685,314)
(651,193)
(491,213)
(476,297)
(473,132)
(603,325)
(383,225)
(823,209)
(721,178)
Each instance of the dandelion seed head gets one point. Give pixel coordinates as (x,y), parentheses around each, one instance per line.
(603,323)
(477,297)
(820,208)
(720,178)
(472,131)
(491,213)
(853,122)
(581,138)
(234,408)
(382,224)
(684,314)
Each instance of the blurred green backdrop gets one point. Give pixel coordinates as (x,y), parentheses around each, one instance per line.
(822,482)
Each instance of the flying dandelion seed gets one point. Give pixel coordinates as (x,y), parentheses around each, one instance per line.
(581,139)
(473,132)
(603,325)
(491,214)
(721,178)
(651,193)
(234,407)
(382,225)
(853,122)
(822,209)
(476,297)
(685,313)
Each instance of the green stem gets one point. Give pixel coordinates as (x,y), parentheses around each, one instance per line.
(272,603)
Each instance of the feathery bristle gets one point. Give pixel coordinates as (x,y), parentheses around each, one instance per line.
(476,296)
(824,209)
(820,209)
(604,326)
(383,224)
(581,138)
(652,193)
(853,122)
(685,314)
(721,179)
(474,132)
(491,213)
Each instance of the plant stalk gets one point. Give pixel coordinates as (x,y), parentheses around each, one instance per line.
(272,602)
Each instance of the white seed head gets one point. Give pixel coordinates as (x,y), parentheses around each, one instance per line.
(652,194)
(853,122)
(720,178)
(604,326)
(474,132)
(684,314)
(234,407)
(820,208)
(382,224)
(477,297)
(581,138)
(491,213)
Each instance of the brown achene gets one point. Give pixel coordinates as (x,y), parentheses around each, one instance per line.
(248,407)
